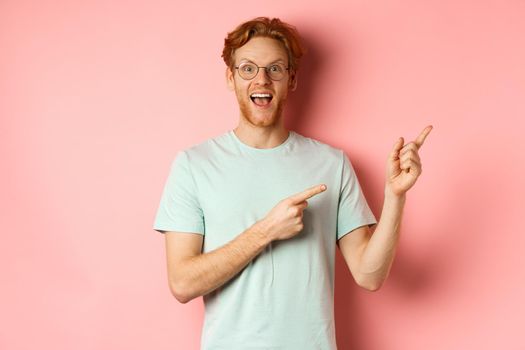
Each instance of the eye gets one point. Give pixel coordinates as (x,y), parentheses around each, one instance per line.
(248,68)
(276,68)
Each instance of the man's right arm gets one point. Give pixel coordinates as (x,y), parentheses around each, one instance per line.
(192,274)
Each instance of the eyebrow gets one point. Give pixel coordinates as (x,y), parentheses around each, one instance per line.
(247,59)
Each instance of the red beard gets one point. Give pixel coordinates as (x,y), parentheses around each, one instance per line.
(251,114)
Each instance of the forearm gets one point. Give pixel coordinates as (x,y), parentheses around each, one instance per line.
(201,274)
(379,253)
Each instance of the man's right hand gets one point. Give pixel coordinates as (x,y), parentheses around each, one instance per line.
(285,220)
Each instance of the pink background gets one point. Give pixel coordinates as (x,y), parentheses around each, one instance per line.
(96,97)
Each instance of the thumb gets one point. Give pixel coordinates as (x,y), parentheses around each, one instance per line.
(397,147)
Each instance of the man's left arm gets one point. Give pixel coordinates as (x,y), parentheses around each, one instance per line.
(368,255)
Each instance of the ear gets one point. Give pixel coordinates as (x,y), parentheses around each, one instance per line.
(293,82)
(229,79)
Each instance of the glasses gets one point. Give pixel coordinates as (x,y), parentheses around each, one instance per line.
(248,71)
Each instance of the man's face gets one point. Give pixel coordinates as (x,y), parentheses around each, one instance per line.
(261,51)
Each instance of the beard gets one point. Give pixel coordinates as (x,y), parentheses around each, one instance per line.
(261,117)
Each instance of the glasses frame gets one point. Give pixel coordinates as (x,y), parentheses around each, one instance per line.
(258,67)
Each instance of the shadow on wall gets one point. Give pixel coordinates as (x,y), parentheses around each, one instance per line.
(300,101)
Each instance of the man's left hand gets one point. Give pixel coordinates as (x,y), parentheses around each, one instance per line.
(403,165)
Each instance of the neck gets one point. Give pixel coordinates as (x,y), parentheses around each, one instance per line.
(261,137)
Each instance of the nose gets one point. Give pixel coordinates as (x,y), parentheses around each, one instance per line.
(262,77)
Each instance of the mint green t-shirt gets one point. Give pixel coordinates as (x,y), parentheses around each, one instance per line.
(284,298)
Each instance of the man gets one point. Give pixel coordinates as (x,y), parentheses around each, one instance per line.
(252,217)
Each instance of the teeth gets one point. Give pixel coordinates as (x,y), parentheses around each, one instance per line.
(261,95)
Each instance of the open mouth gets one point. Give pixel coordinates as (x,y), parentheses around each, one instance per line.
(261,99)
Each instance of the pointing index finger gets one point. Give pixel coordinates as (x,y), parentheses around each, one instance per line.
(421,138)
(304,195)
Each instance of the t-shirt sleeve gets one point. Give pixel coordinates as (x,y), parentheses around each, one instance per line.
(179,208)
(353,210)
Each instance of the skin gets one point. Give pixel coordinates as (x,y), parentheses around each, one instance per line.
(404,165)
(369,257)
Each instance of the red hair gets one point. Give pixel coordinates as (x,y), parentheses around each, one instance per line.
(265,27)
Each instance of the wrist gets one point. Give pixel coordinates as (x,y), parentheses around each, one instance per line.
(260,228)
(391,196)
